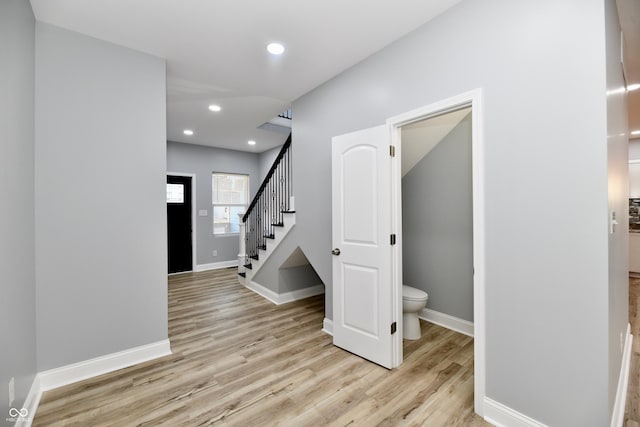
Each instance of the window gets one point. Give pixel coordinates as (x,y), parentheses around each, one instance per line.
(230,197)
(175,193)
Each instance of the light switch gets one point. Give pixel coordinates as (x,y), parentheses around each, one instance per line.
(203,212)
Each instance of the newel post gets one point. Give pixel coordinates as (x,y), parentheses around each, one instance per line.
(242,256)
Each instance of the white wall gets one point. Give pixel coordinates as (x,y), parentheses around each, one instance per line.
(543,76)
(17,253)
(101,236)
(634,168)
(618,172)
(634,149)
(634,180)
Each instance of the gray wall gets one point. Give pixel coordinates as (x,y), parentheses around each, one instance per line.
(280,280)
(618,158)
(437,225)
(265,160)
(202,161)
(544,126)
(299,277)
(101,239)
(17,253)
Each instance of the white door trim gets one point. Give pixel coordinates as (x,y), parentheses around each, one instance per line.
(474,100)
(193,215)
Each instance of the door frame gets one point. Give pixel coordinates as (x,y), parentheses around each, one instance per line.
(471,99)
(193,215)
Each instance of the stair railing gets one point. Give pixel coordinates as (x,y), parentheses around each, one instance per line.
(266,211)
(285,114)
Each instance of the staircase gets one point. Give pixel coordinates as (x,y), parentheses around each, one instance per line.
(269,218)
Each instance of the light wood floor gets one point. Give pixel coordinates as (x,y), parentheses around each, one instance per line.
(239,360)
(632,416)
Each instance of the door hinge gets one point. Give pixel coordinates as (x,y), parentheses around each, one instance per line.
(393,239)
(392,150)
(394,328)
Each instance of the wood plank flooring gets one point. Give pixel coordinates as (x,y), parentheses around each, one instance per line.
(632,409)
(240,360)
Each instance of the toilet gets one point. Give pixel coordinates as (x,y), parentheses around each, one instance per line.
(413,300)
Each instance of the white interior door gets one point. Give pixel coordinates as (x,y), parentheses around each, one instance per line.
(362,281)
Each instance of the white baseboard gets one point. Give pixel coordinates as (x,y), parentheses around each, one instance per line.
(216,265)
(447,321)
(30,404)
(286,297)
(327,326)
(58,377)
(64,375)
(617,418)
(301,294)
(262,291)
(502,416)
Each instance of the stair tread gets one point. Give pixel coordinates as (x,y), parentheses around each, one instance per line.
(282,226)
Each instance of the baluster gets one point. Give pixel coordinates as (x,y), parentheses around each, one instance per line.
(266,209)
(280,177)
(269,206)
(290,156)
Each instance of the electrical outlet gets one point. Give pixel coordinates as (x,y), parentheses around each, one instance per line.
(12,390)
(215,253)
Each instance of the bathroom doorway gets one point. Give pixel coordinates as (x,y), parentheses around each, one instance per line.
(366,211)
(438,215)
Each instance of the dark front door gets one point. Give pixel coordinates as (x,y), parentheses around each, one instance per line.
(179,223)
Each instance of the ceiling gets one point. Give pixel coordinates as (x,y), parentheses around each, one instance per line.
(629,13)
(419,138)
(215,52)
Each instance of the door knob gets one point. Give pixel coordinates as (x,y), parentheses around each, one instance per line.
(336,251)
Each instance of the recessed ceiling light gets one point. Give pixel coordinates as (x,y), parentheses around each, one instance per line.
(251,142)
(214,108)
(635,132)
(188,132)
(634,86)
(275,48)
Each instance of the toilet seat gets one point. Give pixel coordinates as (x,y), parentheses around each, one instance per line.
(413,294)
